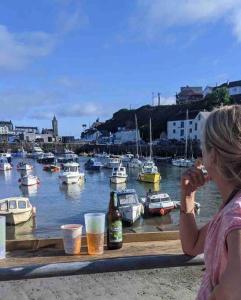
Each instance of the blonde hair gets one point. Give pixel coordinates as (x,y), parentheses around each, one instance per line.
(222,132)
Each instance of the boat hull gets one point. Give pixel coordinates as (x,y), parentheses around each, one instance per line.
(29,181)
(150,178)
(71,179)
(18,218)
(5,167)
(159,211)
(117,180)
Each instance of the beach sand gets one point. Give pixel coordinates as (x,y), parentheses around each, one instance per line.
(166,283)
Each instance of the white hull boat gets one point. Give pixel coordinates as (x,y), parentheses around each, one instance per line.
(24,166)
(71,174)
(182,163)
(113,163)
(4,164)
(17,210)
(130,207)
(29,180)
(119,175)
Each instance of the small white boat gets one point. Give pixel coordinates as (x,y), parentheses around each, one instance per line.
(135,163)
(29,180)
(36,153)
(182,162)
(4,164)
(71,174)
(103,158)
(113,162)
(6,155)
(24,166)
(156,203)
(16,210)
(129,206)
(119,175)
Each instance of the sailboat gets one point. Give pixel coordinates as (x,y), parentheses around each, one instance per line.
(135,163)
(184,162)
(149,172)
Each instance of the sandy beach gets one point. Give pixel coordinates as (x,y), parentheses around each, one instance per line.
(165,283)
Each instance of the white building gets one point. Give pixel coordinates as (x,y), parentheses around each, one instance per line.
(233,87)
(4,130)
(179,126)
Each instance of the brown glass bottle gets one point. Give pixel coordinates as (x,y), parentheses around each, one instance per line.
(114,232)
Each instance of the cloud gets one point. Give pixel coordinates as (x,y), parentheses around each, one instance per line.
(80,110)
(17,50)
(153,17)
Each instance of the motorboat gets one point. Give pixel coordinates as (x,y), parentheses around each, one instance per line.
(29,180)
(23,166)
(20,153)
(156,203)
(149,173)
(36,153)
(125,159)
(129,206)
(6,155)
(135,163)
(182,162)
(103,158)
(119,175)
(113,162)
(71,173)
(46,158)
(51,168)
(17,210)
(93,165)
(67,156)
(4,164)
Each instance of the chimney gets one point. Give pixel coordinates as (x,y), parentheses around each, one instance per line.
(159,99)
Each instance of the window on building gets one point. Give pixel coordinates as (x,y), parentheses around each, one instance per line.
(190,122)
(182,132)
(190,130)
(174,131)
(199,117)
(196,126)
(174,123)
(182,124)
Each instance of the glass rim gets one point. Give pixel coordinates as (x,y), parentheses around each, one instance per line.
(94,214)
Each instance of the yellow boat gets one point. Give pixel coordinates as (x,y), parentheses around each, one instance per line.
(149,173)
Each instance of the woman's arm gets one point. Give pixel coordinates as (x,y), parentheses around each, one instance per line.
(229,287)
(192,238)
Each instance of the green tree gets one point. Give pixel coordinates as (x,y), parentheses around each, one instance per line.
(217,97)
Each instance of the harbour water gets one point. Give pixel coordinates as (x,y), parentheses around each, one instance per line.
(58,204)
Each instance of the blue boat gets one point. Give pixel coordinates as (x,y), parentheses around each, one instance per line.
(93,165)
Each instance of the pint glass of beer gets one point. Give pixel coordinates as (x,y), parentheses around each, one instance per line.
(95,228)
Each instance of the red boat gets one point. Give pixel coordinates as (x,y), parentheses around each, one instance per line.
(156,203)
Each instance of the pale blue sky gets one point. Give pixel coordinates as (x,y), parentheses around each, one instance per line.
(83,59)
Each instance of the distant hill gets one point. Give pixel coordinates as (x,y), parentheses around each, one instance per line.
(159,115)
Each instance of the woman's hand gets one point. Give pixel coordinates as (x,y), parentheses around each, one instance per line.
(191,180)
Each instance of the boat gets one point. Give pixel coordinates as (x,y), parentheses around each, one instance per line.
(156,203)
(129,206)
(149,172)
(17,210)
(93,165)
(71,173)
(4,164)
(184,162)
(125,159)
(36,153)
(51,168)
(20,153)
(23,166)
(119,175)
(135,162)
(113,162)
(46,158)
(29,180)
(102,158)
(6,155)
(67,156)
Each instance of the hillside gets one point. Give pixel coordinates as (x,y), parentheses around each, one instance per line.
(159,115)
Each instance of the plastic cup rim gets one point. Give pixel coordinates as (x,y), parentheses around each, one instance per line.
(94,214)
(74,226)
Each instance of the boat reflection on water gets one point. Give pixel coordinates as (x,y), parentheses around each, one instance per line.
(21,231)
(7,175)
(118,186)
(72,191)
(154,187)
(29,191)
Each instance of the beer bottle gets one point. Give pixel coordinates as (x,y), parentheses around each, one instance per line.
(114,233)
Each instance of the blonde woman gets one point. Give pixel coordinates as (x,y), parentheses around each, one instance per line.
(220,239)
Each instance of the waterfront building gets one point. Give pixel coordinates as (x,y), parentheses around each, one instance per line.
(8,124)
(179,125)
(124,136)
(55,126)
(68,139)
(189,94)
(26,129)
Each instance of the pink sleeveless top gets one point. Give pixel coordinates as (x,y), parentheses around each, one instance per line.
(215,250)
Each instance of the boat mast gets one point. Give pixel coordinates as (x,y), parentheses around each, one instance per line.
(150,141)
(186,133)
(137,137)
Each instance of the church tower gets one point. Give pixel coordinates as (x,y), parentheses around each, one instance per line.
(55,126)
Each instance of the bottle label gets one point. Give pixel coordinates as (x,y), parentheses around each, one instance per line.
(115,232)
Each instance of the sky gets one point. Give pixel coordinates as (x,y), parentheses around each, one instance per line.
(85,59)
